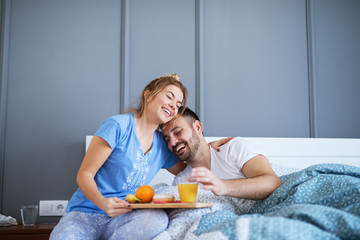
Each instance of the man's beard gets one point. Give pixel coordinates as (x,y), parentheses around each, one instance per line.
(193,148)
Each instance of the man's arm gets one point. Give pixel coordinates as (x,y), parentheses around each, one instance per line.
(259,183)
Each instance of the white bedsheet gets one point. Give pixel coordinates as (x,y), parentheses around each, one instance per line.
(182,222)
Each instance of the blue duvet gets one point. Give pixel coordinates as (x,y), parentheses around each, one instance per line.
(319,202)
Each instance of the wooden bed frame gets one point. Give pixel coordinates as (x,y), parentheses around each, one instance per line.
(296,153)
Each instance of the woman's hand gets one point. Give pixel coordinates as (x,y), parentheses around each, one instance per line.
(216,144)
(114,206)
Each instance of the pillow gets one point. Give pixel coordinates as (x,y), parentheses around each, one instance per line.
(282,170)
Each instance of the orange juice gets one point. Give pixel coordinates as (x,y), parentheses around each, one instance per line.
(187,191)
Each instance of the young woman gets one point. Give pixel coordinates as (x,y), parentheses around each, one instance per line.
(126,152)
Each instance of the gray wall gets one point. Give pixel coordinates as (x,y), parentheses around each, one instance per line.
(253,68)
(256,63)
(336,44)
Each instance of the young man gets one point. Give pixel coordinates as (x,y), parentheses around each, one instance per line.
(237,170)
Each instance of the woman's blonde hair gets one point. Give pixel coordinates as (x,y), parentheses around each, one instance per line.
(156,86)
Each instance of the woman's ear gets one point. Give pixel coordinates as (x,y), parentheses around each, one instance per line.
(146,95)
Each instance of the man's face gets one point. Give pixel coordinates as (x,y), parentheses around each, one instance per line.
(181,139)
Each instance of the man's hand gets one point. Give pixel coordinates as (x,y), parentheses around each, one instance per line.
(114,206)
(259,183)
(208,179)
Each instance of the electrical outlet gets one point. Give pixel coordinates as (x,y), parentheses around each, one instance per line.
(52,207)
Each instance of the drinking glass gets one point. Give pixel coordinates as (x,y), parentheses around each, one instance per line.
(187,190)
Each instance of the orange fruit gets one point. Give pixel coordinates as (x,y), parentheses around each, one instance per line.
(145,193)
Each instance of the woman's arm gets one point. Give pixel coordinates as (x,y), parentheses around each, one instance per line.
(97,153)
(216,144)
(177,168)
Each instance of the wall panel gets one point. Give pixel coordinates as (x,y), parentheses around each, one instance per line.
(337,67)
(63,81)
(162,41)
(256,81)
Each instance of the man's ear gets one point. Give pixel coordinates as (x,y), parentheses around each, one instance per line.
(198,127)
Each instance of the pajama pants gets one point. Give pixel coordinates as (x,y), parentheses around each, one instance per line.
(137,224)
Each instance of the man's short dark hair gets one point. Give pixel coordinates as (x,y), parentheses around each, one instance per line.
(189,115)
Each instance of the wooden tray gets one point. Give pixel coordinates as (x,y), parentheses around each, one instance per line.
(171,205)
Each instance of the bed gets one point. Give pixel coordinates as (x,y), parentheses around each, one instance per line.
(319,198)
(296,153)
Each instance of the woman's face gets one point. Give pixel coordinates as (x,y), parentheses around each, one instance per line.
(166,103)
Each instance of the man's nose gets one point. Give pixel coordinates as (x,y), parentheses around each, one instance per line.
(173,141)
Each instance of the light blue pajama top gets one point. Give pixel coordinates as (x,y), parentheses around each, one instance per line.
(127,168)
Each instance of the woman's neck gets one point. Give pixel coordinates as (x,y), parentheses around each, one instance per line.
(145,132)
(144,126)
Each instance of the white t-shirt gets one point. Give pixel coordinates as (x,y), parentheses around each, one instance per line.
(227,163)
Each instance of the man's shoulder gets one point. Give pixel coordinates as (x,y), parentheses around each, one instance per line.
(235,148)
(238,140)
(235,142)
